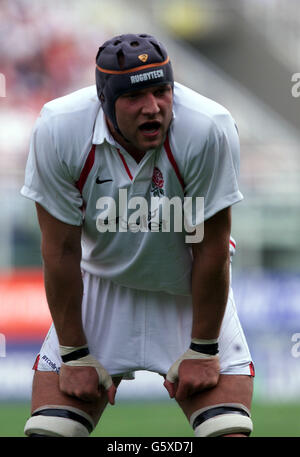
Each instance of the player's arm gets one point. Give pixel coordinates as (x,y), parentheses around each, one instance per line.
(194,371)
(61,252)
(210,276)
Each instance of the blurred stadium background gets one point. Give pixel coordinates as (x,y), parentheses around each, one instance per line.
(241,53)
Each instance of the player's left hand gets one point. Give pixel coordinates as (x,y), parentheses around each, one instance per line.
(192,376)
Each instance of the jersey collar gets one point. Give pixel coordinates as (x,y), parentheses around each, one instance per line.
(101,130)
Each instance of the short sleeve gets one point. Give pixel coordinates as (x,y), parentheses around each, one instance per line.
(212,173)
(47,177)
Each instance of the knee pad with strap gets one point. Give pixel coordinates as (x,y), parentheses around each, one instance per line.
(221,419)
(57,420)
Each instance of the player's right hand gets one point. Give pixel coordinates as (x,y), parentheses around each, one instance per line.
(86,379)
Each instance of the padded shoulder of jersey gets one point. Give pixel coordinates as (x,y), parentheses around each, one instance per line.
(194,101)
(196,115)
(70,120)
(78,101)
(199,122)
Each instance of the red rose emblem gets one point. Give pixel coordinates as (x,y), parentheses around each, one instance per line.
(157,178)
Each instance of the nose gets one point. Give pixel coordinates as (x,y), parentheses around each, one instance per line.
(150,104)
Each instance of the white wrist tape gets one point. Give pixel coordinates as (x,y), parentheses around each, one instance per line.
(86,361)
(201,341)
(172,374)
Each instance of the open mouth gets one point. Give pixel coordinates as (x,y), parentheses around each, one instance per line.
(150,128)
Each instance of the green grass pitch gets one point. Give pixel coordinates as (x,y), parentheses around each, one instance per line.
(153,419)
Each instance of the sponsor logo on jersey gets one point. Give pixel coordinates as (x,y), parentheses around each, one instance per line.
(101,181)
(50,363)
(141,77)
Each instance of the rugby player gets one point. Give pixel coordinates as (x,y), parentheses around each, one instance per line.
(126,291)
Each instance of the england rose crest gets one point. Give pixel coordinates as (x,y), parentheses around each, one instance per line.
(157,183)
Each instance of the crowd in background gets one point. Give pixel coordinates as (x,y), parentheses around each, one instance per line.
(43,56)
(47,50)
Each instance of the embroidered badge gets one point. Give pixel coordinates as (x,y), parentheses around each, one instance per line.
(157,183)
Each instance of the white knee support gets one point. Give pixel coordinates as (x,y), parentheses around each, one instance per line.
(56,420)
(221,419)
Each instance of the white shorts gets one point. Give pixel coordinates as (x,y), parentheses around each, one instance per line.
(129,330)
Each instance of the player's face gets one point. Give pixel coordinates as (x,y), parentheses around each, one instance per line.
(144,116)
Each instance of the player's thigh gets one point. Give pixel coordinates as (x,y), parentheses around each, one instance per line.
(230,389)
(46,391)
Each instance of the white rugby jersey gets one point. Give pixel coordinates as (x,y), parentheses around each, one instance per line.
(81,176)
